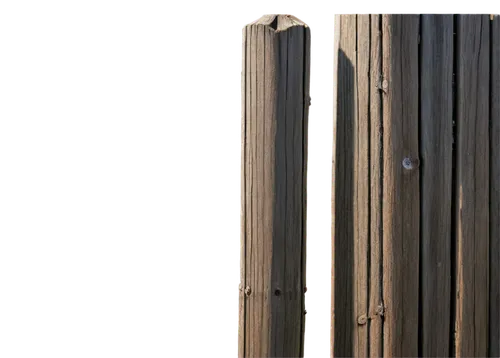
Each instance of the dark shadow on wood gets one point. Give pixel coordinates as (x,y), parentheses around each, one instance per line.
(343,210)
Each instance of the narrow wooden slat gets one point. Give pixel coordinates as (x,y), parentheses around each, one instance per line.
(343,319)
(436,142)
(250,120)
(472,180)
(401,185)
(278,276)
(495,190)
(241,320)
(307,102)
(293,290)
(335,164)
(269,130)
(274,85)
(361,217)
(375,304)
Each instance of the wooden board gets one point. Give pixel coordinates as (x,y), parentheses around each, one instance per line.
(436,145)
(401,209)
(495,190)
(472,191)
(343,318)
(361,214)
(376,164)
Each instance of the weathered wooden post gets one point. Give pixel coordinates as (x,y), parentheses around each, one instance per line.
(275,86)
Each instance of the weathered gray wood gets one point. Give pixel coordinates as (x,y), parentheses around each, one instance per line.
(361,214)
(241,319)
(275,85)
(343,319)
(495,190)
(307,99)
(401,185)
(333,177)
(375,248)
(472,180)
(436,142)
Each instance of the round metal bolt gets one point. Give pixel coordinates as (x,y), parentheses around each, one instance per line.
(362,320)
(410,164)
(407,164)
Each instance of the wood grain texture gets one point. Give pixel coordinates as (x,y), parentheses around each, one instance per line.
(472,181)
(401,186)
(375,248)
(494,336)
(276,68)
(307,99)
(333,176)
(436,143)
(361,214)
(343,314)
(241,308)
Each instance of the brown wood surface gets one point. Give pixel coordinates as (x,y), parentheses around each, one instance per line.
(436,142)
(343,317)
(401,209)
(361,213)
(495,190)
(376,163)
(472,186)
(276,80)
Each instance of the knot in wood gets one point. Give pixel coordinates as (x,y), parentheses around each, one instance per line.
(305,289)
(248,291)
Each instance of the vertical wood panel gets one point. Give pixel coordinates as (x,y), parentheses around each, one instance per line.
(343,167)
(241,319)
(307,103)
(495,190)
(274,196)
(375,287)
(436,129)
(293,290)
(401,185)
(472,180)
(362,187)
(333,176)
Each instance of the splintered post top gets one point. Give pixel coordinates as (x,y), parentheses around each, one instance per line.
(279,22)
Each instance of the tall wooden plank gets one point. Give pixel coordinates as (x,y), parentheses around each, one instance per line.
(436,143)
(293,290)
(375,300)
(472,186)
(336,18)
(495,190)
(241,319)
(273,192)
(307,103)
(278,274)
(401,184)
(361,214)
(343,319)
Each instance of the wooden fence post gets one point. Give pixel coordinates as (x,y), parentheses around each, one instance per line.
(275,87)
(416,247)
